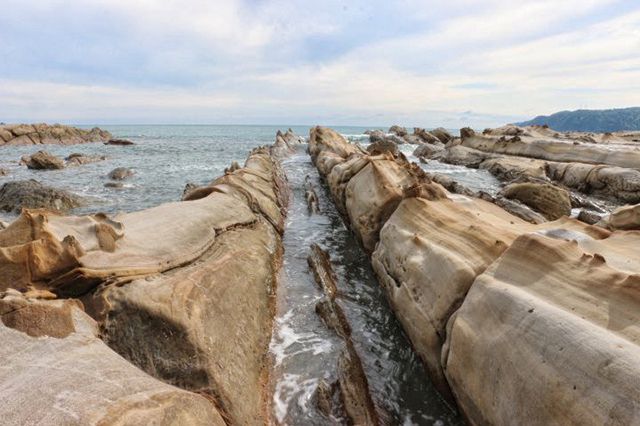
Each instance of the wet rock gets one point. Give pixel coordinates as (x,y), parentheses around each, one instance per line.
(425,136)
(49,349)
(31,194)
(450,184)
(378,136)
(120,173)
(383,146)
(77,159)
(43,160)
(589,217)
(119,142)
(426,151)
(442,134)
(35,134)
(398,130)
(510,168)
(116,185)
(551,201)
(285,143)
(4,172)
(413,139)
(463,156)
(311,196)
(232,168)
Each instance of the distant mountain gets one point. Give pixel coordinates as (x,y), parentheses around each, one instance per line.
(585,120)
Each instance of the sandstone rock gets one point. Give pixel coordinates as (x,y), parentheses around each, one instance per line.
(285,143)
(508,168)
(42,160)
(31,194)
(549,148)
(627,217)
(551,201)
(619,183)
(119,142)
(428,150)
(77,159)
(442,134)
(120,173)
(4,172)
(552,313)
(413,139)
(383,146)
(449,184)
(589,217)
(463,156)
(398,130)
(57,371)
(26,134)
(425,136)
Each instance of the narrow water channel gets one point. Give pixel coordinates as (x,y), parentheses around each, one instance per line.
(305,351)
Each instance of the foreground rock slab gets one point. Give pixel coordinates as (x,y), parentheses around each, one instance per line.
(55,370)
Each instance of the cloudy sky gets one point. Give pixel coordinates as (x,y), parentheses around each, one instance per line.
(361,62)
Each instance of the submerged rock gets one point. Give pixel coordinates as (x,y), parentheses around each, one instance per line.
(43,160)
(77,159)
(120,173)
(31,194)
(119,142)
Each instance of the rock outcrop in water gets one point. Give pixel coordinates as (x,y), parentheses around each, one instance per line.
(31,194)
(43,160)
(518,323)
(36,134)
(183,291)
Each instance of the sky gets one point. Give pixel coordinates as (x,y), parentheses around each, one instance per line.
(422,63)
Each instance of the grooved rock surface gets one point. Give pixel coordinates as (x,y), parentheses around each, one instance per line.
(549,200)
(55,370)
(552,326)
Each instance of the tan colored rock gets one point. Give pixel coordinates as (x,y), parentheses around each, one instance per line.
(551,201)
(43,160)
(55,370)
(40,133)
(556,149)
(77,159)
(613,182)
(626,217)
(508,168)
(549,334)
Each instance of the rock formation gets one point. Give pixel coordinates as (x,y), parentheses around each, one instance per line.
(119,142)
(77,159)
(183,291)
(120,173)
(31,194)
(36,134)
(446,261)
(55,370)
(43,160)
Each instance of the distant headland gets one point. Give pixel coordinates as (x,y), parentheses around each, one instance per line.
(585,120)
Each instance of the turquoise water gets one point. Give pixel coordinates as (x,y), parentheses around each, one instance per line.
(165,158)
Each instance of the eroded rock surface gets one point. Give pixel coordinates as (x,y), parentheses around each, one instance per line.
(40,133)
(432,250)
(55,370)
(43,160)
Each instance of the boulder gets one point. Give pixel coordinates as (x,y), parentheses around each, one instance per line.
(551,201)
(589,217)
(442,134)
(398,130)
(56,370)
(77,159)
(425,136)
(413,139)
(463,156)
(626,217)
(120,173)
(4,172)
(382,146)
(43,160)
(508,168)
(427,151)
(31,194)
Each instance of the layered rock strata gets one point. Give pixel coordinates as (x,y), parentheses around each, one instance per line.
(183,291)
(40,133)
(432,251)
